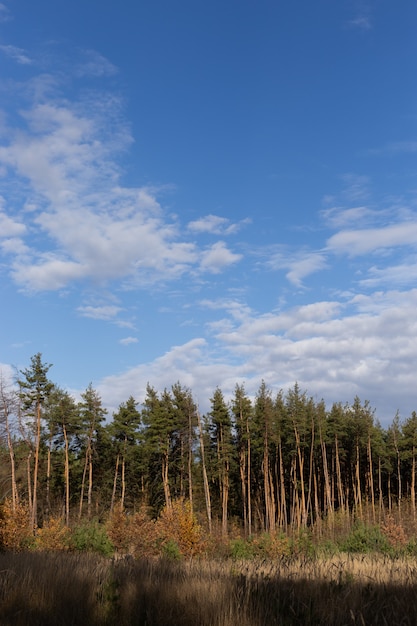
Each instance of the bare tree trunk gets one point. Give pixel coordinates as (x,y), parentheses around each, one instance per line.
(371,479)
(34,517)
(165,480)
(190,460)
(48,481)
(413,483)
(29,479)
(122,499)
(6,408)
(283,503)
(67,477)
(90,484)
(358,483)
(83,481)
(340,491)
(249,480)
(301,469)
(204,470)
(113,494)
(327,490)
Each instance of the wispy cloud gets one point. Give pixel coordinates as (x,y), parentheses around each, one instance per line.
(95,64)
(299,263)
(64,161)
(108,312)
(5,14)
(362,22)
(365,241)
(127,341)
(216,225)
(17,54)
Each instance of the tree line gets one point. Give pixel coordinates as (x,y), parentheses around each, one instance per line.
(275,462)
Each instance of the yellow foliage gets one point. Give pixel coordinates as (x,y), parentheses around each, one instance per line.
(178,523)
(144,537)
(14,525)
(54,535)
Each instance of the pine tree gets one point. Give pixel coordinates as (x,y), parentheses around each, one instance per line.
(64,424)
(91,416)
(124,432)
(35,388)
(221,437)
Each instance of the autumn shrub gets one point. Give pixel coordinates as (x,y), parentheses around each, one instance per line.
(178,523)
(142,536)
(394,533)
(14,526)
(118,530)
(54,535)
(271,545)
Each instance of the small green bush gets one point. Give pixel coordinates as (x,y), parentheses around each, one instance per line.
(171,551)
(241,549)
(365,539)
(91,537)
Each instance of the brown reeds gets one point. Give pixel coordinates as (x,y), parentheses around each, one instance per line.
(64,589)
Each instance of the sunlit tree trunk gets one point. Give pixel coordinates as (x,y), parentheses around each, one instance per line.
(204,471)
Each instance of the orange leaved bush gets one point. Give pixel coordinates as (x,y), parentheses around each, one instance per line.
(14,525)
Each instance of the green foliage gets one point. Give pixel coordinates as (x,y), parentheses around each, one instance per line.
(91,537)
(241,549)
(171,551)
(365,539)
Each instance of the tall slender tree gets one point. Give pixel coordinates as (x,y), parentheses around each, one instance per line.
(35,387)
(221,436)
(243,414)
(124,432)
(92,414)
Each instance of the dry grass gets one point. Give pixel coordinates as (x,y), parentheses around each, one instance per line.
(75,590)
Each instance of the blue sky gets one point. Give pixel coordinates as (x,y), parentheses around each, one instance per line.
(215,193)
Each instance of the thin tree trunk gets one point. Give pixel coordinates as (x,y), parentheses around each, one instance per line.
(340,492)
(15,497)
(249,480)
(29,479)
(90,484)
(83,481)
(413,483)
(371,479)
(122,499)
(204,470)
(190,460)
(113,494)
(165,480)
(34,518)
(67,476)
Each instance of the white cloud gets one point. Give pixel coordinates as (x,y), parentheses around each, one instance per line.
(364,241)
(10,227)
(218,256)
(216,225)
(127,341)
(300,264)
(17,54)
(401,275)
(334,350)
(96,228)
(107,312)
(340,217)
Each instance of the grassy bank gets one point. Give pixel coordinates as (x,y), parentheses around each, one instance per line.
(65,589)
